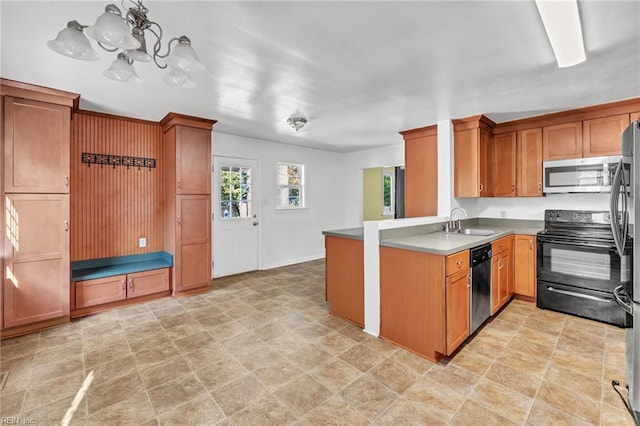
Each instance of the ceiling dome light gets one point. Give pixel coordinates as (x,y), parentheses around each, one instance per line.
(111,29)
(122,70)
(296,123)
(185,57)
(73,43)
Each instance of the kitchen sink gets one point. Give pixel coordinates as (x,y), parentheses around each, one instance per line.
(473,231)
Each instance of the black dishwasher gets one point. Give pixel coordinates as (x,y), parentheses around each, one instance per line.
(480,286)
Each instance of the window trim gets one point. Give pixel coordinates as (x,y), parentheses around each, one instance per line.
(392,210)
(302,187)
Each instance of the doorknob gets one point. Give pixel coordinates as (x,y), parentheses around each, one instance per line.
(256,223)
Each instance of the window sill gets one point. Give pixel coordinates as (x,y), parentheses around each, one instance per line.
(290,210)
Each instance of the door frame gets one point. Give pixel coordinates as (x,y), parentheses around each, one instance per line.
(256,207)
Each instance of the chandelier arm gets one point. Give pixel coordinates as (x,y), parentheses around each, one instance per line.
(115,49)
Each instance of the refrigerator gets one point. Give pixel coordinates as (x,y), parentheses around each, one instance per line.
(625,191)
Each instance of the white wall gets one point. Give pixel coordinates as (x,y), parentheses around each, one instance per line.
(392,155)
(287,237)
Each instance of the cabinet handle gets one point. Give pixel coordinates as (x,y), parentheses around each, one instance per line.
(530,244)
(459,262)
(500,263)
(179,184)
(130,284)
(66,181)
(539,186)
(179,221)
(481,187)
(66,225)
(124,284)
(513,187)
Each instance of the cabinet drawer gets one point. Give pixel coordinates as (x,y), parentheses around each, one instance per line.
(148,282)
(500,245)
(101,290)
(457,262)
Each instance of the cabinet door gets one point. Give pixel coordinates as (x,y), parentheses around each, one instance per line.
(562,141)
(486,163)
(466,162)
(525,265)
(36,273)
(457,295)
(345,278)
(530,163)
(495,283)
(421,176)
(147,282)
(193,162)
(505,269)
(504,165)
(36,147)
(101,290)
(602,136)
(193,242)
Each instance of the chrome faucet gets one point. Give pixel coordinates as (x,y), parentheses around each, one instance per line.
(455,226)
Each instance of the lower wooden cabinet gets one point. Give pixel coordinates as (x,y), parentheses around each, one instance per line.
(457,295)
(120,287)
(344,279)
(502,276)
(525,265)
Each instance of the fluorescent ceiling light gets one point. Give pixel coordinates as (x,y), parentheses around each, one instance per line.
(562,23)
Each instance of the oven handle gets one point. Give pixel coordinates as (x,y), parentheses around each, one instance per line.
(542,239)
(573,293)
(619,294)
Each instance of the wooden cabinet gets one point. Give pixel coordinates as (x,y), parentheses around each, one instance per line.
(120,287)
(473,157)
(344,278)
(562,141)
(634,116)
(458,308)
(36,146)
(529,163)
(525,265)
(421,308)
(421,171)
(187,200)
(504,165)
(501,273)
(601,136)
(36,247)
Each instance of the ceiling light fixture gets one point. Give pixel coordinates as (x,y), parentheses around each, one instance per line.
(126,35)
(562,24)
(296,122)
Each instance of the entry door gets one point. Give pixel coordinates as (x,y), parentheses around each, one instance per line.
(235,216)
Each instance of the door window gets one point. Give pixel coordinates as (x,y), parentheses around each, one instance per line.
(235,192)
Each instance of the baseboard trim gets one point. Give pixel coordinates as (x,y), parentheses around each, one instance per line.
(291,262)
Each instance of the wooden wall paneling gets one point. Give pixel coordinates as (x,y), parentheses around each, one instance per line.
(113,206)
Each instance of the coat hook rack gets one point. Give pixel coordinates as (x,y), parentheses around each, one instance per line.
(90,158)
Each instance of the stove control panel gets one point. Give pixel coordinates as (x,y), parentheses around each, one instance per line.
(578,216)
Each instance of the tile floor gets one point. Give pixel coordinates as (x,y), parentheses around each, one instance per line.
(260,348)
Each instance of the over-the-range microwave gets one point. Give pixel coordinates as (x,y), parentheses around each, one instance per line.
(593,174)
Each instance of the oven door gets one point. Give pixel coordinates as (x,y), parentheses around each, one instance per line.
(591,265)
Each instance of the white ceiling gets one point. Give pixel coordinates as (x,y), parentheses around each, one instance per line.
(360,71)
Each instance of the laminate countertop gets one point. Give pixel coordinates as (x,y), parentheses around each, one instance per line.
(351,233)
(444,243)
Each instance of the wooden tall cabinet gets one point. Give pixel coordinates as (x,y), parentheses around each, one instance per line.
(529,163)
(421,171)
(473,157)
(187,200)
(504,165)
(36,125)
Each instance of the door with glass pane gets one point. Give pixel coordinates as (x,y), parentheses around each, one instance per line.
(235,216)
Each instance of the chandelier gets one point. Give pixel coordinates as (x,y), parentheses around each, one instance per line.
(114,32)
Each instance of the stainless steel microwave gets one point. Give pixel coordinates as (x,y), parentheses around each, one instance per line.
(593,174)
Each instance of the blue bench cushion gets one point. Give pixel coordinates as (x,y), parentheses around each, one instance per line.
(109,266)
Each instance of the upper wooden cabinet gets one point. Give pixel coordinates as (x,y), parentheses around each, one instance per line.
(473,157)
(562,141)
(421,171)
(634,116)
(529,163)
(504,165)
(36,146)
(601,136)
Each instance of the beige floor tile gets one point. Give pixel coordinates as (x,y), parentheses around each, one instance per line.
(114,391)
(412,361)
(337,412)
(109,353)
(440,400)
(115,337)
(271,330)
(520,381)
(288,343)
(332,322)
(361,357)
(546,414)
(11,404)
(404,412)
(472,361)
(309,357)
(572,403)
(195,341)
(502,400)
(582,349)
(134,410)
(529,347)
(137,320)
(335,374)
(221,372)
(353,332)
(313,331)
(612,416)
(112,370)
(577,364)
(165,371)
(393,375)
(52,414)
(51,342)
(56,370)
(535,336)
(334,343)
(368,397)
(570,380)
(20,350)
(302,394)
(458,379)
(107,326)
(485,346)
(176,392)
(524,362)
(168,311)
(19,340)
(379,345)
(544,326)
(155,354)
(226,330)
(239,394)
(276,374)
(52,391)
(473,414)
(201,358)
(199,411)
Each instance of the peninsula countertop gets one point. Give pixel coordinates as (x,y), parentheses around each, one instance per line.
(352,233)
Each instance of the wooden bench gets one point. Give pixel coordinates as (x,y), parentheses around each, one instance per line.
(102,284)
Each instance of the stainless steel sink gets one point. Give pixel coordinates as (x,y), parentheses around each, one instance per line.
(478,232)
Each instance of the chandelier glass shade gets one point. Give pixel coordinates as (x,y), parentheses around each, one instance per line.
(127,36)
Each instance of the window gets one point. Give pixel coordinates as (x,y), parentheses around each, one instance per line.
(388,194)
(235,192)
(290,180)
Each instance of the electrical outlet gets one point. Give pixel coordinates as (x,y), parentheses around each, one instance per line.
(142,242)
